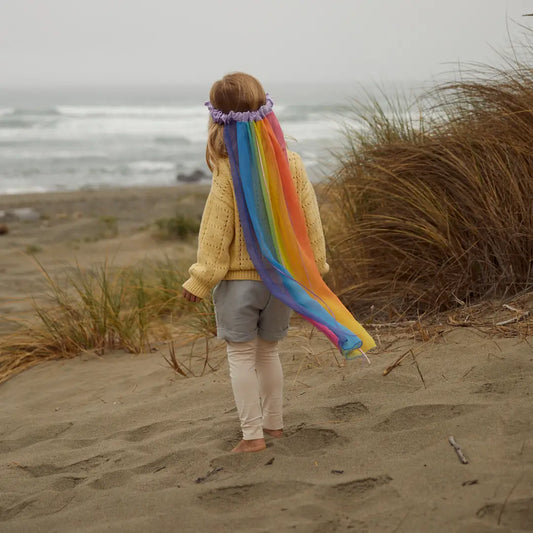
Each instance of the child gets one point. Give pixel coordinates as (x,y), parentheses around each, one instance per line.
(260,235)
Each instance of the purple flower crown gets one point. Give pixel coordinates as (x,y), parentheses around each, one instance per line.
(240,116)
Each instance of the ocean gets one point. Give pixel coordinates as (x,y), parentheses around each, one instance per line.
(72,138)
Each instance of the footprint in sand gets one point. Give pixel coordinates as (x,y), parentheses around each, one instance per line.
(47,503)
(340,524)
(351,387)
(514,514)
(371,490)
(67,483)
(74,468)
(305,440)
(239,462)
(110,480)
(182,460)
(222,498)
(519,386)
(159,474)
(143,432)
(75,444)
(43,434)
(416,416)
(11,512)
(358,487)
(348,411)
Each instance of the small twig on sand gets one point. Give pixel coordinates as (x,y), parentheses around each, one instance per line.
(418,368)
(508,496)
(298,371)
(468,371)
(511,308)
(208,475)
(397,528)
(392,324)
(397,362)
(458,450)
(513,320)
(522,448)
(339,364)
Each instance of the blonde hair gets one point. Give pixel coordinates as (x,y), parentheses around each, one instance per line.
(236,91)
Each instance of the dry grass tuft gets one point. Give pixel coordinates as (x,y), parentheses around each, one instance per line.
(430,213)
(101,309)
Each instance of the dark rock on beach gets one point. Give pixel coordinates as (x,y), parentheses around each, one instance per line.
(193,177)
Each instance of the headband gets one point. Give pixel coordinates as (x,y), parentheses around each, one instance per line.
(240,116)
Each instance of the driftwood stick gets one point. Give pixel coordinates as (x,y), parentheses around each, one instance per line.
(513,320)
(391,324)
(511,308)
(397,362)
(458,450)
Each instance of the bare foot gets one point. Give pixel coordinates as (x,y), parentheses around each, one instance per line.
(273,432)
(254,445)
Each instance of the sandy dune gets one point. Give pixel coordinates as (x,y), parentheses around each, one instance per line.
(122,443)
(86,227)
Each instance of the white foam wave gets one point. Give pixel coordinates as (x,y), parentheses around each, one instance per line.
(51,154)
(132,111)
(68,129)
(152,166)
(317,129)
(23,189)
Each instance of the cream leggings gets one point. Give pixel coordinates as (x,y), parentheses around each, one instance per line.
(257,382)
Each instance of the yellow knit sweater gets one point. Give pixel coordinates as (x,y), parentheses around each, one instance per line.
(222,250)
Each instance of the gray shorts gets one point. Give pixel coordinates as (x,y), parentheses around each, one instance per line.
(245,309)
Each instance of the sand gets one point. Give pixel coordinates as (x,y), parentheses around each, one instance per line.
(86,227)
(121,443)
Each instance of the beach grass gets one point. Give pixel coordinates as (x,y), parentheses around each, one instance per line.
(177,227)
(103,308)
(432,204)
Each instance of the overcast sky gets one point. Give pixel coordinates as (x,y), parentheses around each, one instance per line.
(110,42)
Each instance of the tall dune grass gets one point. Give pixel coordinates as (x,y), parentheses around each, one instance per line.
(101,309)
(428,212)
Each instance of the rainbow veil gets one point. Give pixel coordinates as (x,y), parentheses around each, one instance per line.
(274,226)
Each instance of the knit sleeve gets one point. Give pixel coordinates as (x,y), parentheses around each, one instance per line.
(217,231)
(307,196)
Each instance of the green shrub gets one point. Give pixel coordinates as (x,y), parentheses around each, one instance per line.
(177,227)
(109,226)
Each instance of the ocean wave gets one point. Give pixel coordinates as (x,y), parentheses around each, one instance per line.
(152,166)
(307,113)
(172,140)
(131,111)
(22,189)
(35,112)
(89,128)
(24,119)
(310,130)
(18,154)
(54,145)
